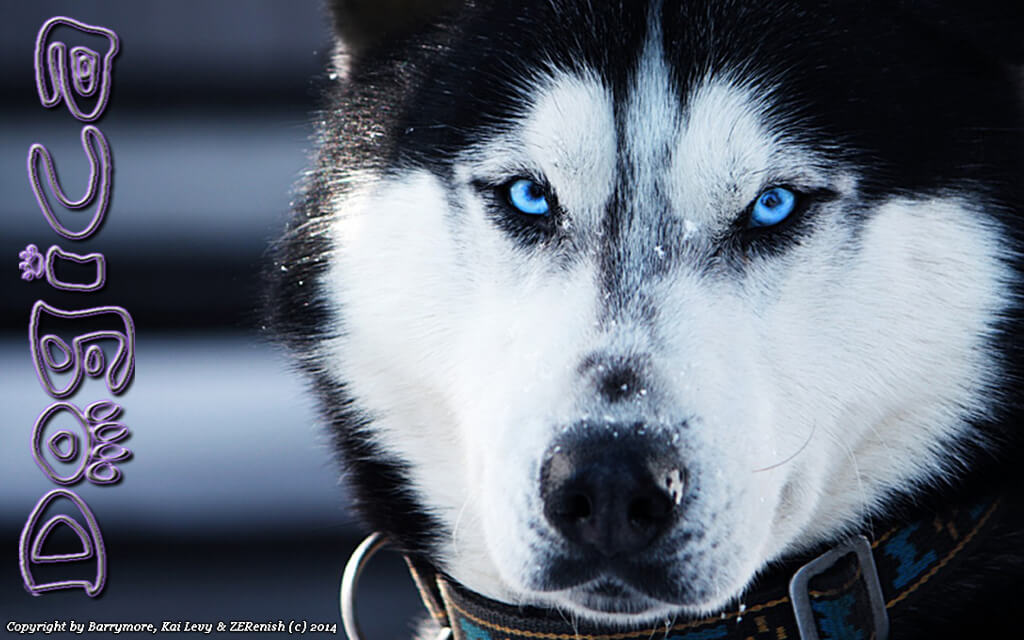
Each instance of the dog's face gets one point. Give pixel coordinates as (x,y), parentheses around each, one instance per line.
(626,302)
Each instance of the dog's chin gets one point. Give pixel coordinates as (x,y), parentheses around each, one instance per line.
(610,597)
(610,601)
(626,592)
(629,595)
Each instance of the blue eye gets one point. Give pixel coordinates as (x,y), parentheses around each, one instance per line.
(772,207)
(529,197)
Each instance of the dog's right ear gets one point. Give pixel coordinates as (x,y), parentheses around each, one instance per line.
(362,24)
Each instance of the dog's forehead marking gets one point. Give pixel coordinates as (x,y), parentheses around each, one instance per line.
(701,155)
(650,121)
(698,154)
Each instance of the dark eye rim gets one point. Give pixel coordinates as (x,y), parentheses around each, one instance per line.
(534,227)
(501,187)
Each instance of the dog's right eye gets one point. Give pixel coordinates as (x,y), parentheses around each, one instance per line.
(528,197)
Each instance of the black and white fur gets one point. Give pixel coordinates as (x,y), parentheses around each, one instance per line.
(854,365)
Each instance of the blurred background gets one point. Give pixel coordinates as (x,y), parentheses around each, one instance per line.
(231,508)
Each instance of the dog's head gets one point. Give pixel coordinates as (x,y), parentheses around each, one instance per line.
(612,304)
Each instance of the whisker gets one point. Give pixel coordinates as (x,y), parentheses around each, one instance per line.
(814,428)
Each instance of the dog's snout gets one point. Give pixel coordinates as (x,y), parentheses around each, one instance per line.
(611,494)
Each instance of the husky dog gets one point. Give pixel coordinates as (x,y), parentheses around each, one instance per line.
(618,309)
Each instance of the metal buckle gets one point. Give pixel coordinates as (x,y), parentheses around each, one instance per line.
(350,582)
(800,595)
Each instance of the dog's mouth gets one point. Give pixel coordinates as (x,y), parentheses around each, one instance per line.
(612,596)
(619,586)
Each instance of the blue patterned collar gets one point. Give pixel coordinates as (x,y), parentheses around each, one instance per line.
(851,591)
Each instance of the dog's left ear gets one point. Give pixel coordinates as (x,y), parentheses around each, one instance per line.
(993,27)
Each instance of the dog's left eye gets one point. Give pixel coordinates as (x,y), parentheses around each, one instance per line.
(528,197)
(772,207)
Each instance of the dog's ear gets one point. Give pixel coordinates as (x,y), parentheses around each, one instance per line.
(360,24)
(993,27)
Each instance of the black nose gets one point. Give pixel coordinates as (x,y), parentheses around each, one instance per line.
(611,492)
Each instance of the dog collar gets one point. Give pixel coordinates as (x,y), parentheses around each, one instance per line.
(852,590)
